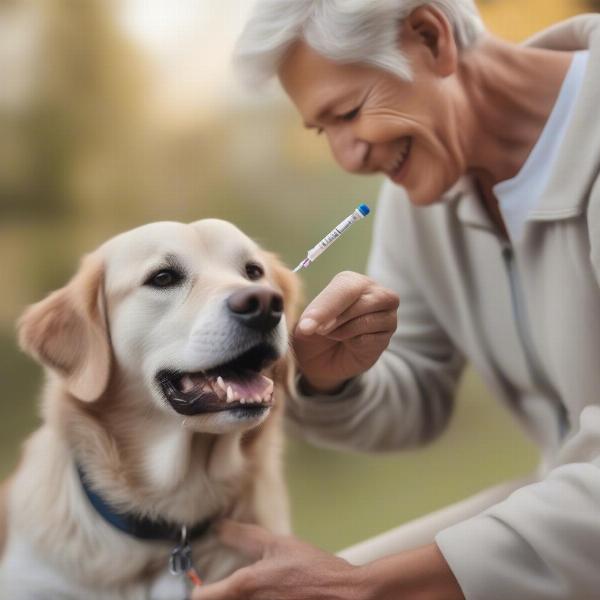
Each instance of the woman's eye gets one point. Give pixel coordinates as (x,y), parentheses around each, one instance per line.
(349,116)
(254,271)
(164,279)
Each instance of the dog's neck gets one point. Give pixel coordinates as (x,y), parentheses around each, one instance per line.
(140,527)
(143,461)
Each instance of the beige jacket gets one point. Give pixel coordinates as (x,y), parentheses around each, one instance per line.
(527,317)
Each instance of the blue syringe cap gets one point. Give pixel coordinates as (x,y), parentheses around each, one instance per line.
(364,209)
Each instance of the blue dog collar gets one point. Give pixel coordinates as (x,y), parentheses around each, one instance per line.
(141,528)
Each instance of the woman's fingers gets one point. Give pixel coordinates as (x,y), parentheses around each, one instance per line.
(348,295)
(377,322)
(343,291)
(250,540)
(222,590)
(374,300)
(234,587)
(369,346)
(344,330)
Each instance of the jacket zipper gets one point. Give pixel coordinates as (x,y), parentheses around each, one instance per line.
(524,332)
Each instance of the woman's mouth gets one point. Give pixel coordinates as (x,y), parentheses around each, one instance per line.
(396,171)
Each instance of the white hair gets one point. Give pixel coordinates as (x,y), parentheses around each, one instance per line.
(345,31)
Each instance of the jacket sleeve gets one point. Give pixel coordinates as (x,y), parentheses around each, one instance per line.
(407,397)
(543,542)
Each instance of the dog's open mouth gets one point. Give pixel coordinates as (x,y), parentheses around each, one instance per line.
(237,385)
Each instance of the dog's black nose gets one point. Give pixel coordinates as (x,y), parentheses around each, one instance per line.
(257,307)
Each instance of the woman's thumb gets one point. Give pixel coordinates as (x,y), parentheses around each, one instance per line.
(250,540)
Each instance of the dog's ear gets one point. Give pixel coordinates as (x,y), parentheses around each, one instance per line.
(67,332)
(291,287)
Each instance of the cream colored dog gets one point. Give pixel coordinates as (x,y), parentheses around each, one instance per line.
(167,355)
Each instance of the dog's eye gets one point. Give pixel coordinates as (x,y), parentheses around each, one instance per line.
(164,278)
(254,271)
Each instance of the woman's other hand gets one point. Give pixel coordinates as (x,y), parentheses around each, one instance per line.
(286,568)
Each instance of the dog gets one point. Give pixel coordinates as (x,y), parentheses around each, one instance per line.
(167,359)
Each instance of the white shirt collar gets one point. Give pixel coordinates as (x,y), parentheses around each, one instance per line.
(519,196)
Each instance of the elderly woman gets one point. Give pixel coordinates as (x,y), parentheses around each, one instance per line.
(488,235)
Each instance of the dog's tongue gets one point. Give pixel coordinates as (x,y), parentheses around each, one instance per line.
(249,386)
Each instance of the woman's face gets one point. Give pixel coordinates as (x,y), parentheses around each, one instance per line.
(376,122)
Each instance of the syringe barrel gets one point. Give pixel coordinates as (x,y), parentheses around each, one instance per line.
(335,234)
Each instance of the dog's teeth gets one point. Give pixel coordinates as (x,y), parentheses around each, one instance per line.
(243,400)
(186,384)
(229,394)
(221,383)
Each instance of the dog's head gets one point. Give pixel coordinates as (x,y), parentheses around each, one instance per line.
(192,319)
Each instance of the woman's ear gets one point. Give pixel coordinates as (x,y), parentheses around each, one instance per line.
(68,333)
(428,28)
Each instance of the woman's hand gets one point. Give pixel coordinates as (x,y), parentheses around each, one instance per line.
(344,330)
(286,569)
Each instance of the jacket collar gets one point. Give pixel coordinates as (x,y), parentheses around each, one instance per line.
(470,210)
(141,528)
(578,162)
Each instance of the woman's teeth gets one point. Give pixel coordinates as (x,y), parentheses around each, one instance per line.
(399,160)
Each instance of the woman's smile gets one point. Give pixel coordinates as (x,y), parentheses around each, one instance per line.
(397,169)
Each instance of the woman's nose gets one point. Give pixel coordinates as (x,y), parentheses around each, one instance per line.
(256,307)
(350,152)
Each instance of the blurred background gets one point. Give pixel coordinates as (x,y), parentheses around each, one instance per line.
(115,113)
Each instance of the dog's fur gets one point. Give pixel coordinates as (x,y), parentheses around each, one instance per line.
(102,338)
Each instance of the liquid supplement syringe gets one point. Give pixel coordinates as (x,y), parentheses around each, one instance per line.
(360,213)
